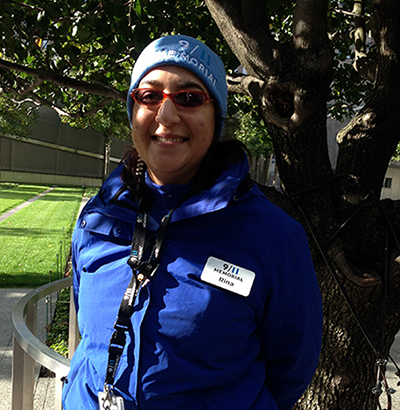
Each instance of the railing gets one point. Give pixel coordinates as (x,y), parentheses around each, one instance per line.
(27,349)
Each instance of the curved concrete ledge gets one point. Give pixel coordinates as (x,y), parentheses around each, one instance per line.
(28,349)
(27,340)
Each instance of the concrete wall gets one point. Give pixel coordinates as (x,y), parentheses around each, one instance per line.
(55,153)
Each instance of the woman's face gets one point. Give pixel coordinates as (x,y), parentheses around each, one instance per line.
(172,140)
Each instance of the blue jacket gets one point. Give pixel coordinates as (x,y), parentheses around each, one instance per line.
(201,338)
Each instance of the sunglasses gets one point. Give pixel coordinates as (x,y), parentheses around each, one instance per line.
(150,97)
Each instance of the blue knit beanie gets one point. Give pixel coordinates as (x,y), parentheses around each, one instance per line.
(189,53)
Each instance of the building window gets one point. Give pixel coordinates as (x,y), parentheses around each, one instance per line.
(387,183)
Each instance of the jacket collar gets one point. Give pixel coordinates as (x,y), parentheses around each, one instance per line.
(115,200)
(218,196)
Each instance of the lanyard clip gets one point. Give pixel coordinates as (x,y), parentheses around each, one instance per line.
(108,401)
(144,272)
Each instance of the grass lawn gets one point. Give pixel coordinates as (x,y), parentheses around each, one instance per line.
(30,239)
(12,196)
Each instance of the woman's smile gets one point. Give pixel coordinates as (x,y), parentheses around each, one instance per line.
(167,139)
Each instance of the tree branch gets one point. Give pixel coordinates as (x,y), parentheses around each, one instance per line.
(372,135)
(362,64)
(31,97)
(28,6)
(245,27)
(84,114)
(309,23)
(30,87)
(245,85)
(273,97)
(310,33)
(96,89)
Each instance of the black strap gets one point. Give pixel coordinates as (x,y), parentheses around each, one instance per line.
(142,272)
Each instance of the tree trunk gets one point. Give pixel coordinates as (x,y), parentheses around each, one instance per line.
(348,227)
(107,153)
(355,254)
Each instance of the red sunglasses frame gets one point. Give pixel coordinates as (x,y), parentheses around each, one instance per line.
(170,96)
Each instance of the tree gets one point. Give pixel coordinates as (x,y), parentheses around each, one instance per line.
(296,55)
(290,74)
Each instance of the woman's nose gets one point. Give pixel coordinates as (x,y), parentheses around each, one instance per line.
(167,113)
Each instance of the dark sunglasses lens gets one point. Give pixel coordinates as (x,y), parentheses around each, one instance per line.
(148,97)
(189,99)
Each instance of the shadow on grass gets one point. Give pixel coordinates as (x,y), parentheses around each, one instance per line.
(28,232)
(21,196)
(30,280)
(58,197)
(26,194)
(18,191)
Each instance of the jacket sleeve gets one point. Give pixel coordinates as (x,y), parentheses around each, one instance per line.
(292,324)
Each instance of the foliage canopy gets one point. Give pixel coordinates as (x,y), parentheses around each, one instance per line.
(77,56)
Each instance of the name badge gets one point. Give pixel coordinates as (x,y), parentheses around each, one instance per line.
(227,276)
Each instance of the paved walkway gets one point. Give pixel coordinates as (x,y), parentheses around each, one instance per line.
(44,387)
(19,207)
(391,376)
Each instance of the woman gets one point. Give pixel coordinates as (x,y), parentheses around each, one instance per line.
(222,310)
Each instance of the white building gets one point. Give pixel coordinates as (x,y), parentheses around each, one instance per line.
(391,185)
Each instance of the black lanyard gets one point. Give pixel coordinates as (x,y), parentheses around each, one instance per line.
(142,272)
